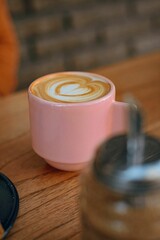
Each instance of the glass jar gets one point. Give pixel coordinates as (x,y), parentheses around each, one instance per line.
(121,202)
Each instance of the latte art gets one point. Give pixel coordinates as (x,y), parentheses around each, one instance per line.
(70,88)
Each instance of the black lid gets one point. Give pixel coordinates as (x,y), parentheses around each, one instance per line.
(9,204)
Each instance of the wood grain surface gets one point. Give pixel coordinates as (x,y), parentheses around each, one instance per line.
(48,197)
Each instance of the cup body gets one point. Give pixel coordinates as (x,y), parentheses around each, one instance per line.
(66,135)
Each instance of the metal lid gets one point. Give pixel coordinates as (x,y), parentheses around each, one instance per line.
(130,163)
(111,166)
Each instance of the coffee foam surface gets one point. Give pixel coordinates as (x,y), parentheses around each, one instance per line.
(70,87)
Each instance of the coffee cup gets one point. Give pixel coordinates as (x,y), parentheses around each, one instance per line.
(71,114)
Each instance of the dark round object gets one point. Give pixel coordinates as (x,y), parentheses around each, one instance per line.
(9,203)
(112,169)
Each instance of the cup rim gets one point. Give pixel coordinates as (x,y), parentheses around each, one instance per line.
(64,104)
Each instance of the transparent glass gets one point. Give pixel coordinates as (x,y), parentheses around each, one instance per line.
(106,214)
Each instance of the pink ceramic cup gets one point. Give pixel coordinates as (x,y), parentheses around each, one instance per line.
(66,135)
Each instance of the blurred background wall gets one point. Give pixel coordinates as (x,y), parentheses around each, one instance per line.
(58,35)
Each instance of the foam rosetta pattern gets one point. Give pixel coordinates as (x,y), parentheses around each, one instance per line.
(70,88)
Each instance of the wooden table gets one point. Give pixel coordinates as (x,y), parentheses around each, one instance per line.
(49,197)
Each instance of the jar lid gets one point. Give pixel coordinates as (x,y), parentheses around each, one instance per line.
(111,166)
(130,163)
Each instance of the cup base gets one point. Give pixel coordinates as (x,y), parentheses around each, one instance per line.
(67,166)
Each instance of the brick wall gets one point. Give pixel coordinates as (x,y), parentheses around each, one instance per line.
(58,35)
